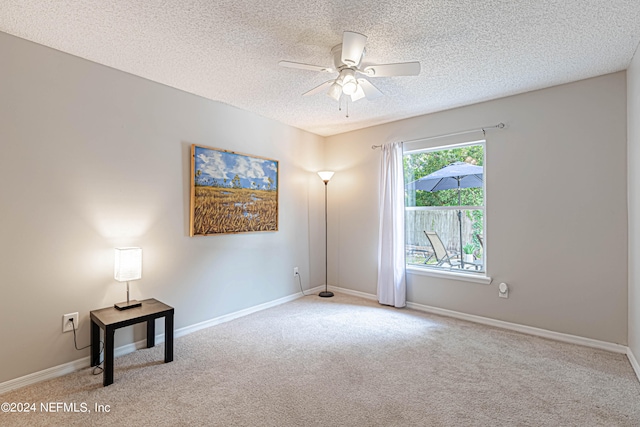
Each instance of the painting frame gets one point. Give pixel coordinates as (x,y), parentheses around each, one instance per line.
(232,192)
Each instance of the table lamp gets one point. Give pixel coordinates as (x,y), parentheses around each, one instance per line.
(128,266)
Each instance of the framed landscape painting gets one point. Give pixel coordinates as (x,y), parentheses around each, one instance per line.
(232,192)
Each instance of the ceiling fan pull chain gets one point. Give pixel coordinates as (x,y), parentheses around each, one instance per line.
(346,102)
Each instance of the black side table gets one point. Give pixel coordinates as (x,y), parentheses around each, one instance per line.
(109,319)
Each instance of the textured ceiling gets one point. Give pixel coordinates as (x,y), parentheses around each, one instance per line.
(228,50)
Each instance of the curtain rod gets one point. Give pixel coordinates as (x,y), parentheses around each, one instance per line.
(498,126)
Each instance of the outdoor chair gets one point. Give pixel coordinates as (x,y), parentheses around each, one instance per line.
(439,251)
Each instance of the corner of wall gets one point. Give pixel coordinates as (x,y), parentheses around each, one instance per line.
(633,206)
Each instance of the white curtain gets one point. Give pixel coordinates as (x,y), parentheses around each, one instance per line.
(392,286)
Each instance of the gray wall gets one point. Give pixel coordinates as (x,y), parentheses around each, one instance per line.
(556,208)
(633,118)
(92,158)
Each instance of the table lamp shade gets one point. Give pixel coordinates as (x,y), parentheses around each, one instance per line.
(128,265)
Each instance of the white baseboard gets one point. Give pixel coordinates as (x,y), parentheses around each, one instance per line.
(354,293)
(634,362)
(231,316)
(76,365)
(46,374)
(530,330)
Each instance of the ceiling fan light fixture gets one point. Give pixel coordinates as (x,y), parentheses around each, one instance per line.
(350,87)
(358,94)
(348,80)
(335,91)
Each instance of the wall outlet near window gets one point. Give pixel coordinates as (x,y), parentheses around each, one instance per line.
(67,324)
(295,271)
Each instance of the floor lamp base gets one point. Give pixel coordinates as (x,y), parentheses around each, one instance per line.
(325,294)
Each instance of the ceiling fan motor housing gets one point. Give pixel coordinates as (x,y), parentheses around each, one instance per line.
(336,54)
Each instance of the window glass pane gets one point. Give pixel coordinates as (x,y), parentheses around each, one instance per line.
(421,165)
(444,214)
(421,224)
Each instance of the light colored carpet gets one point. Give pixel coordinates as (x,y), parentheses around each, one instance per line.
(346,361)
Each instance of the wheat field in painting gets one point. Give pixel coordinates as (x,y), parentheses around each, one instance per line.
(234,210)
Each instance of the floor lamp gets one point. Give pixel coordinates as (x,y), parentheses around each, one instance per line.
(325,176)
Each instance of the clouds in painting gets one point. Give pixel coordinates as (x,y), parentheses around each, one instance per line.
(211,164)
(251,168)
(219,168)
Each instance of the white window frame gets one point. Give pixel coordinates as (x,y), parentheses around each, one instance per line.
(470,275)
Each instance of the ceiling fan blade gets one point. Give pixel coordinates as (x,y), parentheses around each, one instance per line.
(319,88)
(352,48)
(370,91)
(390,70)
(301,66)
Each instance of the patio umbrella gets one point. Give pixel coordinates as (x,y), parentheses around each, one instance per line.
(456,175)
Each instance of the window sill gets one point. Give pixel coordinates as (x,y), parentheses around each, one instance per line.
(464,277)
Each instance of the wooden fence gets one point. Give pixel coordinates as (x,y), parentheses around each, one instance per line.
(443,222)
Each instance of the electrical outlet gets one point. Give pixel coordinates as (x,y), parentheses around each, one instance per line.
(67,325)
(503,290)
(295,271)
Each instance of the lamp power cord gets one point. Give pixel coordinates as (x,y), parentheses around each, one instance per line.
(300,283)
(97,370)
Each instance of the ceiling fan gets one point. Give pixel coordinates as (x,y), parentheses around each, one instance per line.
(351,79)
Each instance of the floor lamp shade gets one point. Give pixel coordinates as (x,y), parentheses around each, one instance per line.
(325,175)
(127,267)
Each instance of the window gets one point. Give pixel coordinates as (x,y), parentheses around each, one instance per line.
(444,208)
